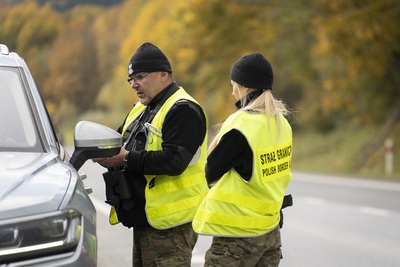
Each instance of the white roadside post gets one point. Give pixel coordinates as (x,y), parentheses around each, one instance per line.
(388,157)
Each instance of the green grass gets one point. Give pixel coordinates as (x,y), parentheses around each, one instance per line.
(339,151)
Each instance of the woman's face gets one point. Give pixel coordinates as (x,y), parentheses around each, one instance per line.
(238,91)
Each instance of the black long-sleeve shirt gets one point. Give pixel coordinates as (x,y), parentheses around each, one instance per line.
(232,152)
(183,131)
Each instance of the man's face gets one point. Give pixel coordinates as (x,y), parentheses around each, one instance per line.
(146,85)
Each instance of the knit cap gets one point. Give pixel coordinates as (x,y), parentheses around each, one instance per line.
(253,71)
(148,58)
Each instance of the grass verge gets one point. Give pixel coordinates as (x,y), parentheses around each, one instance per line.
(337,153)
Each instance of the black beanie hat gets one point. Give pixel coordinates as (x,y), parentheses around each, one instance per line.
(253,71)
(148,58)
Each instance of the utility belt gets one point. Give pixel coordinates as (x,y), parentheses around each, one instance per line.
(118,189)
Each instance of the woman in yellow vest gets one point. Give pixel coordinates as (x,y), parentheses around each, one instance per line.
(248,170)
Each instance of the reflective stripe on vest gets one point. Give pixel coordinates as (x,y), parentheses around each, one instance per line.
(237,208)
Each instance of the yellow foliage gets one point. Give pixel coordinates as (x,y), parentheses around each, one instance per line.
(333,51)
(355,46)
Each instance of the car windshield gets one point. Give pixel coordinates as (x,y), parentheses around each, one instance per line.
(17,126)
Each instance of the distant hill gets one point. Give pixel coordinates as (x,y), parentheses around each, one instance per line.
(65,5)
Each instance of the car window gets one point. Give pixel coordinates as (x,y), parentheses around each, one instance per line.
(17,127)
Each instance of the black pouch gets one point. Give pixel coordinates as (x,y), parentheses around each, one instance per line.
(135,216)
(124,189)
(118,189)
(112,197)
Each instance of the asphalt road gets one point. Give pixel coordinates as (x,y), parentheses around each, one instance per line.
(335,222)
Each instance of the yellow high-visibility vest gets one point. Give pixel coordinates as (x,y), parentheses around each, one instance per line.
(235,207)
(170,200)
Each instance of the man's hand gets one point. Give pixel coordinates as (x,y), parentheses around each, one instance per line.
(114,161)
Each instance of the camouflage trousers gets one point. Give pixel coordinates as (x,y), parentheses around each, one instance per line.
(159,248)
(260,251)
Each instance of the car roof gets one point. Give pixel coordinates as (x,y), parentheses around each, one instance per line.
(9,59)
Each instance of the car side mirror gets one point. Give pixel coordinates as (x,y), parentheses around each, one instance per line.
(93,140)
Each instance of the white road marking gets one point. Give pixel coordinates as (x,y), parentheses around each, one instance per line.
(197,259)
(315,201)
(361,209)
(374,211)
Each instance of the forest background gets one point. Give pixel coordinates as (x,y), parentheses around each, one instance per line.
(336,64)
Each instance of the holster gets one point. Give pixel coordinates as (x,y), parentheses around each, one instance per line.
(287,202)
(118,189)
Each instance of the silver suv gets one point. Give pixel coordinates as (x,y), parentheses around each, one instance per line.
(46,215)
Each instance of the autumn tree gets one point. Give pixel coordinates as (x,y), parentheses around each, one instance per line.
(31,31)
(135,23)
(73,74)
(222,31)
(358,57)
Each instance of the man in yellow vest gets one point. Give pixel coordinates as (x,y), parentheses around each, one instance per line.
(248,167)
(157,182)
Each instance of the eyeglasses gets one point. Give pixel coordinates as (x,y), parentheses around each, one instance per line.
(137,77)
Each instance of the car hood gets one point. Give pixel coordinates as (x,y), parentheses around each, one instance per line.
(31,183)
